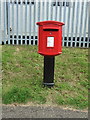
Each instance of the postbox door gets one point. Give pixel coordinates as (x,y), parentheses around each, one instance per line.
(52,41)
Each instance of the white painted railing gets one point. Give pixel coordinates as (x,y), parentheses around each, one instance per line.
(19,17)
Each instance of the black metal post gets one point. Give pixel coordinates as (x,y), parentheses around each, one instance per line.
(49,71)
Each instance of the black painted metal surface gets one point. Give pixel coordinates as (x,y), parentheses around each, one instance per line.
(49,70)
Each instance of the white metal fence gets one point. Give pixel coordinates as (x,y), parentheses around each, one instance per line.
(19,17)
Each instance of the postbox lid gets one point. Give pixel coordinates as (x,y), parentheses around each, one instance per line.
(50,22)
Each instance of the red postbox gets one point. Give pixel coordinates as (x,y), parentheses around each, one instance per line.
(50,38)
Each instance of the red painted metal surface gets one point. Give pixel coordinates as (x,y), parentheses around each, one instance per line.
(50,38)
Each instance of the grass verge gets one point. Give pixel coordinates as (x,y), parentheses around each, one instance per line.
(23,76)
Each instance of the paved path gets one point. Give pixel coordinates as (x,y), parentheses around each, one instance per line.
(40,112)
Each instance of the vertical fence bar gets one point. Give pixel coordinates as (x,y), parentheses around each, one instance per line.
(17,21)
(43,10)
(61,19)
(34,22)
(52,10)
(4,21)
(7,18)
(0,22)
(85,25)
(8,5)
(0,25)
(48,5)
(72,23)
(13,22)
(47,9)
(56,4)
(88,25)
(64,13)
(25,22)
(64,19)
(85,22)
(21,16)
(87,46)
(77,13)
(68,24)
(38,11)
(30,11)
(0,61)
(81,20)
(60,12)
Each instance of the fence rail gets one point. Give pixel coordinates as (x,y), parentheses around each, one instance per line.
(19,17)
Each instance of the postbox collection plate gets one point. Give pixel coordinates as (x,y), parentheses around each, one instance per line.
(50,41)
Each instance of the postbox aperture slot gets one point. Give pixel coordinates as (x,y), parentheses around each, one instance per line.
(50,29)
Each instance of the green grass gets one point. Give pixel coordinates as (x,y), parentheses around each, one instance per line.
(23,76)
